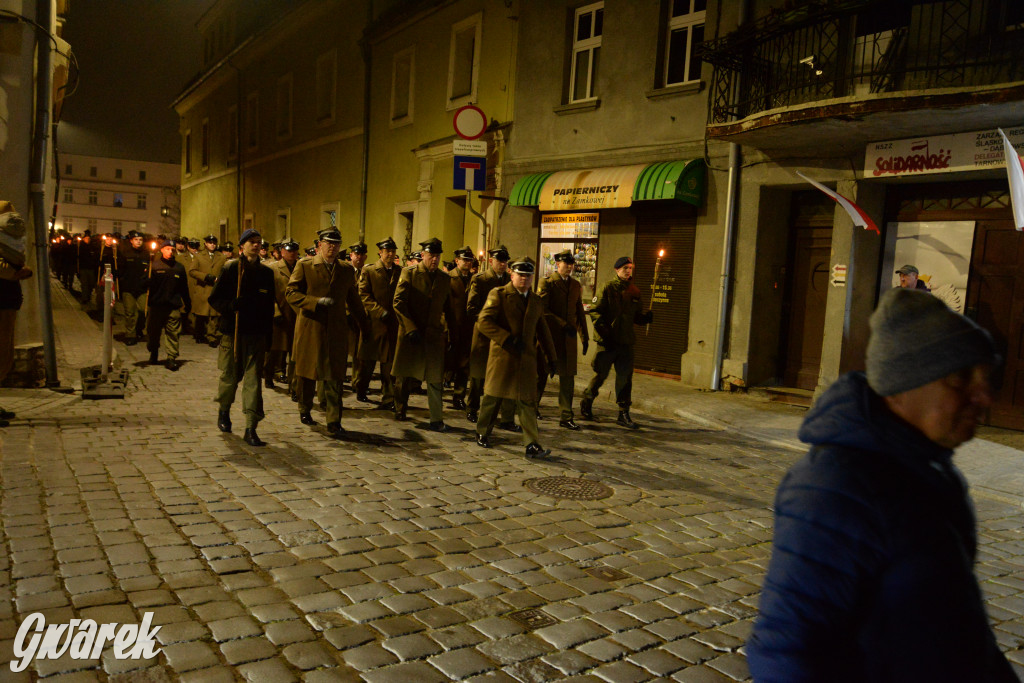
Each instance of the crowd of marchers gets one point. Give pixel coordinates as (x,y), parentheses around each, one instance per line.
(485,333)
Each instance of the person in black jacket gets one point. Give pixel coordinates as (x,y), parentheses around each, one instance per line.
(168,294)
(244,293)
(87,267)
(132,272)
(871,576)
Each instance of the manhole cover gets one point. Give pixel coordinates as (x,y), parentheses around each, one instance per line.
(533,618)
(606,573)
(570,488)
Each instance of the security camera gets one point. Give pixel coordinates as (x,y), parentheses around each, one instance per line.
(808,61)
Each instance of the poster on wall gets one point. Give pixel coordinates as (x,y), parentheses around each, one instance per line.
(941,252)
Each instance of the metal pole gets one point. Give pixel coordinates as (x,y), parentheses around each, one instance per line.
(108,307)
(37,189)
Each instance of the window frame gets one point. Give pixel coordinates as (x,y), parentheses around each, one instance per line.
(204,144)
(69,195)
(328,58)
(142,176)
(118,173)
(286,82)
(140,200)
(585,45)
(689,21)
(93,198)
(186,150)
(252,121)
(233,132)
(474,21)
(407,118)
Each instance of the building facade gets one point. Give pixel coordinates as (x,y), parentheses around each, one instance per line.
(104,195)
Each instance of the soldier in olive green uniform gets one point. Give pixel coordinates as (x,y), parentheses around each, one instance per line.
(422,296)
(513,322)
(563,303)
(479,287)
(377,290)
(206,268)
(284,318)
(356,259)
(132,281)
(460,330)
(618,309)
(244,293)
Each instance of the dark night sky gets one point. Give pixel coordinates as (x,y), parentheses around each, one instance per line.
(134,57)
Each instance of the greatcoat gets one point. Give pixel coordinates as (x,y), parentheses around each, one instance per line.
(460,328)
(563,304)
(479,287)
(507,313)
(377,290)
(203,263)
(284,314)
(322,331)
(420,300)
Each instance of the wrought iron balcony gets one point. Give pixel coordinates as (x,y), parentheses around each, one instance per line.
(863,49)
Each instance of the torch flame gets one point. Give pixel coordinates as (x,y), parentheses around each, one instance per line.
(152,245)
(661,253)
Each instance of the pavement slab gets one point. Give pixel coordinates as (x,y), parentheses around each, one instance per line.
(400,554)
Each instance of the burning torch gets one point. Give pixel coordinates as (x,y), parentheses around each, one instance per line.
(654,285)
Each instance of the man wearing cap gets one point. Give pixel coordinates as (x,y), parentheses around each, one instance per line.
(412,260)
(562,296)
(356,259)
(618,309)
(88,265)
(321,289)
(206,268)
(244,297)
(872,570)
(185,255)
(377,290)
(264,252)
(132,279)
(513,322)
(460,328)
(284,318)
(909,278)
(479,287)
(423,295)
(167,295)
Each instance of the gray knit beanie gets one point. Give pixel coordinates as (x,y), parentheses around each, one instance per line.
(917,339)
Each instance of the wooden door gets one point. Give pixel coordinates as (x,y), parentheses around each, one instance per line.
(805,306)
(995,300)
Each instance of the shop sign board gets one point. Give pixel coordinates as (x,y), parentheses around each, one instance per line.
(592,188)
(940,153)
(569,226)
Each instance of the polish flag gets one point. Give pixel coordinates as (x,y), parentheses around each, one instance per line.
(860,219)
(1015,171)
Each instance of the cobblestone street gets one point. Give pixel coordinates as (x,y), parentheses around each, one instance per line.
(398,554)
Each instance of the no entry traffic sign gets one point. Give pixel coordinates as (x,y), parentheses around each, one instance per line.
(470,122)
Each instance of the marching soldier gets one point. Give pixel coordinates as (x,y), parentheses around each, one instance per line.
(422,296)
(562,296)
(184,255)
(88,265)
(132,280)
(265,252)
(206,268)
(356,259)
(321,288)
(244,297)
(512,320)
(618,309)
(284,318)
(460,328)
(479,287)
(377,290)
(168,294)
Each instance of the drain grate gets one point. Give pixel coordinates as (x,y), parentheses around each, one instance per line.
(569,488)
(607,573)
(533,618)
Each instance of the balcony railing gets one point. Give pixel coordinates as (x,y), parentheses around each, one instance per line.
(828,50)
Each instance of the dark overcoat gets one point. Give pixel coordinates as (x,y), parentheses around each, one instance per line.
(460,329)
(322,331)
(563,306)
(421,299)
(507,313)
(479,287)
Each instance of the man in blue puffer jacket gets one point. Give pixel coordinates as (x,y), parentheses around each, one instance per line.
(871,576)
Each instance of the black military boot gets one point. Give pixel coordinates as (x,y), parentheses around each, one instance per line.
(268,382)
(438,426)
(537,452)
(153,358)
(569,424)
(626,421)
(335,430)
(252,438)
(306,419)
(510,426)
(587,408)
(483,441)
(224,420)
(458,403)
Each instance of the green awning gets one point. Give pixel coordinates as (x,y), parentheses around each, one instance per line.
(526,191)
(679,180)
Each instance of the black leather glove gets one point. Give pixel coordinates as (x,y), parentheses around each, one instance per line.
(414,336)
(552,368)
(586,345)
(570,330)
(210,279)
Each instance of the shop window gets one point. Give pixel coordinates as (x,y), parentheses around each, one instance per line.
(464,61)
(577,232)
(685,34)
(588,25)
(402,86)
(326,87)
(252,121)
(93,197)
(284,107)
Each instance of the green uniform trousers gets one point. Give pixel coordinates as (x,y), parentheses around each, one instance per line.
(308,389)
(476,390)
(133,306)
(213,326)
(167,320)
(387,382)
(527,417)
(566,389)
(87,278)
(404,386)
(621,357)
(251,348)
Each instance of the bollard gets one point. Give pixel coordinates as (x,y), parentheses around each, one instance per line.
(108,307)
